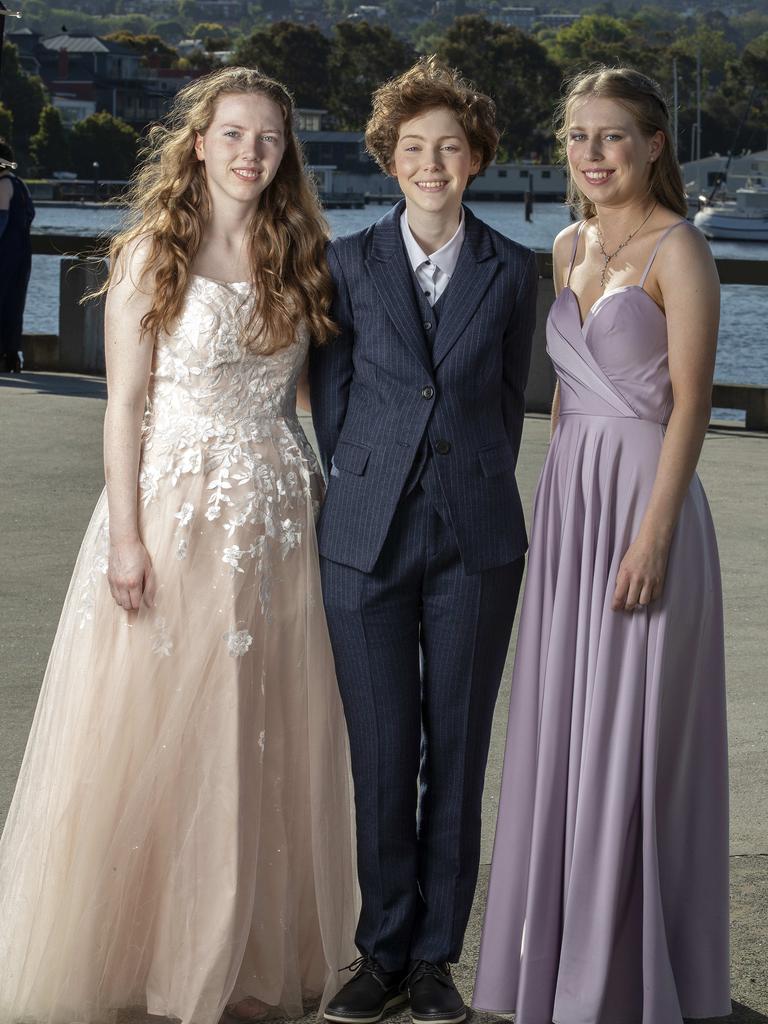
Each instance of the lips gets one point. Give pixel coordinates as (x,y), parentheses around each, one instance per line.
(246,173)
(597,175)
(431,186)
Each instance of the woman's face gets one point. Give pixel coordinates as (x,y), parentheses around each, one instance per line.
(610,159)
(242,146)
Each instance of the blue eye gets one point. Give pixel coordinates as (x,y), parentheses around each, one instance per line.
(232,132)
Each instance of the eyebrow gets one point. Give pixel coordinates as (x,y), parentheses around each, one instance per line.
(442,138)
(230,124)
(602,128)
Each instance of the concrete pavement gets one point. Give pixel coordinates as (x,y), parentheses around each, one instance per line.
(51,475)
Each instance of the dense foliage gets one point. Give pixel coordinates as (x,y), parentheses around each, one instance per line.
(336,66)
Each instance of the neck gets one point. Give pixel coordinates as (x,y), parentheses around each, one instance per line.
(228,223)
(433,230)
(619,221)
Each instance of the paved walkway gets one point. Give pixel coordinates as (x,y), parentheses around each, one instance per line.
(50,439)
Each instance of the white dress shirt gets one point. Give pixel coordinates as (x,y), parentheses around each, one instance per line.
(433,272)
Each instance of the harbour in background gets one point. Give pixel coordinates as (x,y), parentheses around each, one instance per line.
(743,345)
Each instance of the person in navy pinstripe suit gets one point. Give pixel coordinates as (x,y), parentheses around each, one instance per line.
(418,408)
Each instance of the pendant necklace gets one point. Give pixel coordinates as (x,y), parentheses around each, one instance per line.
(607,257)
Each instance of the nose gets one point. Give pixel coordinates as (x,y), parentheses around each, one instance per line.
(432,159)
(594,149)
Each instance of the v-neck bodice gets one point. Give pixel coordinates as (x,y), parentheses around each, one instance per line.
(614,362)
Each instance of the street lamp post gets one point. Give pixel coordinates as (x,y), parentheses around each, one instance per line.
(96,169)
(5,13)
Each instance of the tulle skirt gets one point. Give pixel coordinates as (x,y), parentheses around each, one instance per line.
(181,835)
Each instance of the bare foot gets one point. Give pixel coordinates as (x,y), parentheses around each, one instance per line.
(247,1009)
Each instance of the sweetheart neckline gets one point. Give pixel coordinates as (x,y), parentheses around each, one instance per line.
(613,291)
(214,280)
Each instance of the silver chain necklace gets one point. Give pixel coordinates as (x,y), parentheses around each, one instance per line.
(607,257)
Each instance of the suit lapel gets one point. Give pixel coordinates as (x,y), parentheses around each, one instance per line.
(390,273)
(475,269)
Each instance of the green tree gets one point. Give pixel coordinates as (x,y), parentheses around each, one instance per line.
(213,35)
(49,146)
(516,72)
(592,39)
(169,31)
(152,47)
(23,94)
(363,56)
(6,123)
(297,55)
(107,140)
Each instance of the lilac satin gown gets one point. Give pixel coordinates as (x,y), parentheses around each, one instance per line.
(608,899)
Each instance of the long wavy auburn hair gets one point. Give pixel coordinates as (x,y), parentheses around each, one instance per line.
(170,205)
(643,98)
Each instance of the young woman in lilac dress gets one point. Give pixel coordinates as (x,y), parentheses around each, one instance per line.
(608,897)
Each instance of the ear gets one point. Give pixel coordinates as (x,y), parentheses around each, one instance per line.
(199,146)
(477,160)
(655,147)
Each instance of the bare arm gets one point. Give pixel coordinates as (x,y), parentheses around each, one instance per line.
(302,389)
(688,281)
(561,253)
(129,361)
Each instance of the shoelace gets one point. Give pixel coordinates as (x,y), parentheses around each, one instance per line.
(422,969)
(365,964)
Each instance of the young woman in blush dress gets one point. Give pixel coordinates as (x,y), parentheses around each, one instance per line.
(608,897)
(180,838)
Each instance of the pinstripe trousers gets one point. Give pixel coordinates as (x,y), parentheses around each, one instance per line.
(419,647)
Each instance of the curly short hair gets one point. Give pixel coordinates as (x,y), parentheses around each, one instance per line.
(429,84)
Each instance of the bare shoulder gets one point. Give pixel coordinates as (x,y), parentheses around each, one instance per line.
(685,255)
(132,266)
(562,248)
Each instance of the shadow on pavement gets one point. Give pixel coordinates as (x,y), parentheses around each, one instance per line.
(71,386)
(741,1015)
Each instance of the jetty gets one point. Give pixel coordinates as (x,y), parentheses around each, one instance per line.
(52,475)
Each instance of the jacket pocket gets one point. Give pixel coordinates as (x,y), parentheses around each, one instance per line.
(497,460)
(351,457)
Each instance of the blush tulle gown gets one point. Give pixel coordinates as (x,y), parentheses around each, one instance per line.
(608,899)
(181,831)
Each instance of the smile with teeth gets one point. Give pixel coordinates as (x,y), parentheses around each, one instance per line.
(596,176)
(431,186)
(246,173)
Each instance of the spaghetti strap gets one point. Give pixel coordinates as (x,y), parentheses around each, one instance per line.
(656,248)
(573,254)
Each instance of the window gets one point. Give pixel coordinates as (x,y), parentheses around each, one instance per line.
(523,174)
(546,174)
(502,174)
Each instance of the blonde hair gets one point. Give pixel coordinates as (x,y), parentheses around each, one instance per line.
(287,235)
(429,84)
(643,98)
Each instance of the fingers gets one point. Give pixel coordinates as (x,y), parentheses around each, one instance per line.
(150,589)
(634,592)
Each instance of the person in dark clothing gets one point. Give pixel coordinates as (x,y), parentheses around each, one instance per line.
(16,215)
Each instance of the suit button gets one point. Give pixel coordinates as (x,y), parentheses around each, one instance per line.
(427,325)
(442,447)
(428,392)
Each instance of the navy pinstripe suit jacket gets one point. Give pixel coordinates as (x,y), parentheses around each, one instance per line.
(377,391)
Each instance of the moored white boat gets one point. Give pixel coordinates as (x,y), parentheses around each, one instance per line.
(745,220)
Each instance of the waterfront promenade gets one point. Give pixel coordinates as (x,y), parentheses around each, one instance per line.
(50,426)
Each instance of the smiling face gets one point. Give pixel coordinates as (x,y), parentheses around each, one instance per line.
(433,162)
(242,146)
(609,157)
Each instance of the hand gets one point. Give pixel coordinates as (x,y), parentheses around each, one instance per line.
(130,575)
(640,578)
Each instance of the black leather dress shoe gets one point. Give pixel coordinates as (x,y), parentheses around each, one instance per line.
(433,995)
(367,997)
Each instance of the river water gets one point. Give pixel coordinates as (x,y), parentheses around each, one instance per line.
(742,356)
